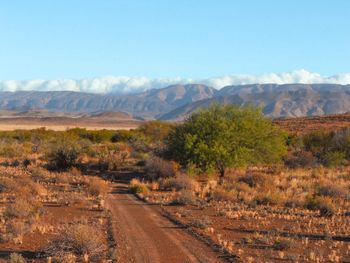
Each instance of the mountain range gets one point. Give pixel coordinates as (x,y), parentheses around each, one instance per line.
(178,101)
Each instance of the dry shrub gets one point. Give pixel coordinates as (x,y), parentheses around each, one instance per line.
(113,159)
(323,204)
(255,179)
(23,207)
(136,187)
(184,198)
(110,162)
(201,223)
(300,158)
(7,185)
(70,198)
(80,240)
(39,174)
(16,258)
(66,258)
(158,168)
(331,189)
(269,198)
(283,244)
(220,194)
(180,182)
(75,172)
(17,227)
(97,187)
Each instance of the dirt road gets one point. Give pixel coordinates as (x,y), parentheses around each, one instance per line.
(144,235)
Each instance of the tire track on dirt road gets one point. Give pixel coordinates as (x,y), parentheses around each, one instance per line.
(144,235)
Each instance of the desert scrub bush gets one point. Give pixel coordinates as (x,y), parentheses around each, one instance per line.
(95,136)
(331,189)
(63,153)
(271,197)
(201,223)
(97,186)
(10,148)
(80,240)
(15,230)
(136,187)
(159,168)
(39,174)
(300,158)
(185,197)
(123,136)
(220,194)
(282,244)
(255,180)
(112,156)
(323,204)
(16,258)
(334,159)
(180,182)
(23,207)
(7,184)
(156,131)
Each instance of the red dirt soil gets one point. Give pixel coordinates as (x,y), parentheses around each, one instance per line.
(144,235)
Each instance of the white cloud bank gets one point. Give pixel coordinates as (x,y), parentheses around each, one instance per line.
(124,85)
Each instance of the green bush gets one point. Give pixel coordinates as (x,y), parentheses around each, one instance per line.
(226,136)
(139,188)
(334,159)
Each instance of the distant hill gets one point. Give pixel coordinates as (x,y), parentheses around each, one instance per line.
(292,100)
(147,104)
(178,101)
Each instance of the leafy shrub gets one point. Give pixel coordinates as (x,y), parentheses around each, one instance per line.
(139,189)
(136,187)
(156,131)
(124,136)
(158,168)
(334,159)
(10,148)
(228,136)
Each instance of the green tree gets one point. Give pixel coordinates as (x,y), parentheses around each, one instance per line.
(221,137)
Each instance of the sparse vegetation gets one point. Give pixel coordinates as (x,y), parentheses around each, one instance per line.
(80,240)
(53,185)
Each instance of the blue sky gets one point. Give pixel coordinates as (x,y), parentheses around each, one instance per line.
(80,39)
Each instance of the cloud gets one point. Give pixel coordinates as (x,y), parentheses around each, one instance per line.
(124,84)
